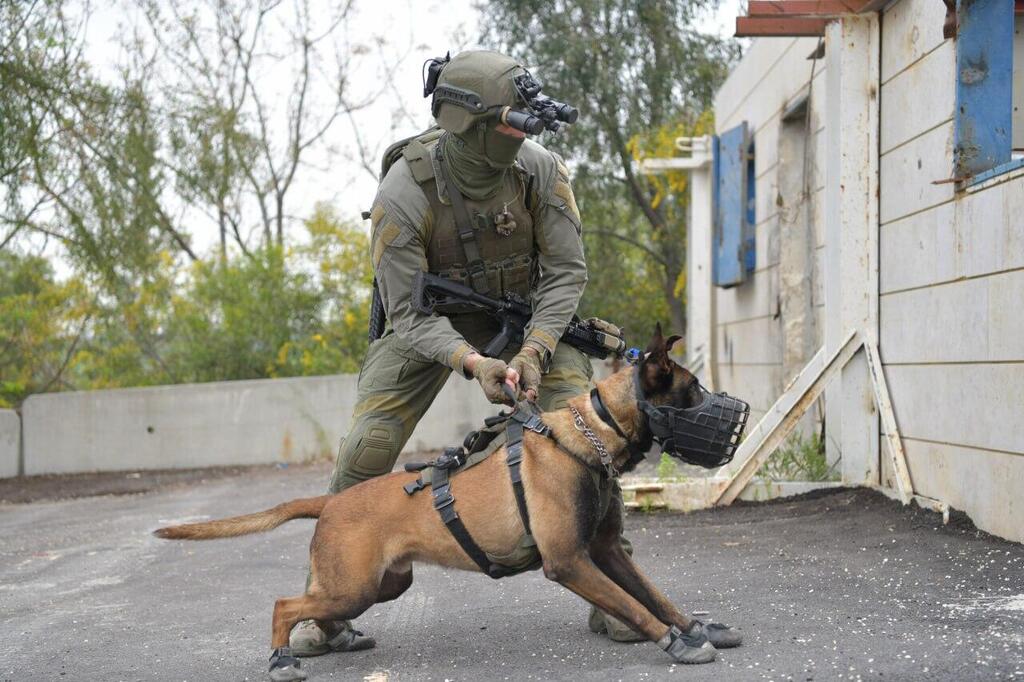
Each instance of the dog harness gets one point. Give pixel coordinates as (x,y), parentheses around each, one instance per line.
(477,447)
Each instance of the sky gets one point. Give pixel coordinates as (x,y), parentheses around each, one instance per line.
(419,29)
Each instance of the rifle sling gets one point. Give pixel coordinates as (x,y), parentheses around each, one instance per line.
(464,226)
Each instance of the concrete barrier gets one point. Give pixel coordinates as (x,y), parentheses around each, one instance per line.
(10,439)
(222,423)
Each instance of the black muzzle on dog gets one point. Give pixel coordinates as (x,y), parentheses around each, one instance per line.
(706,435)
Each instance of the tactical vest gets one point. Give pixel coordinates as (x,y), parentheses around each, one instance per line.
(509,261)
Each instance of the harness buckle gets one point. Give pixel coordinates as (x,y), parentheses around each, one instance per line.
(451,458)
(414,486)
(443,496)
(537,425)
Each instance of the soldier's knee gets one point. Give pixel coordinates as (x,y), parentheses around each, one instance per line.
(370,449)
(569,376)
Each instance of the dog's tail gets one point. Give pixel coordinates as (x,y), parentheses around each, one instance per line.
(260,522)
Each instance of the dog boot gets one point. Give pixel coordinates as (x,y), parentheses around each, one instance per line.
(307,639)
(284,667)
(617,631)
(722,636)
(688,647)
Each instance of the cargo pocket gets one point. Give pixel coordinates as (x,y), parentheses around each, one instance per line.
(382,366)
(411,363)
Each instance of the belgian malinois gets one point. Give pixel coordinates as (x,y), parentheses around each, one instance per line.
(369,536)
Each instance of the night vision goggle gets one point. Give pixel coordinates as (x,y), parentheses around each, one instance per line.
(544,113)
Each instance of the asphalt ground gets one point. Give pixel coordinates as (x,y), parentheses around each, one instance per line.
(847,585)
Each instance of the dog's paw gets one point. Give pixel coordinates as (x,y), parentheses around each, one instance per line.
(722,636)
(689,648)
(284,667)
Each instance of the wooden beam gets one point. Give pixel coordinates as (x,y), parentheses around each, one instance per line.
(805,8)
(769,433)
(888,418)
(751,27)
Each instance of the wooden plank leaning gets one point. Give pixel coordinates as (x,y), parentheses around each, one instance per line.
(777,423)
(894,445)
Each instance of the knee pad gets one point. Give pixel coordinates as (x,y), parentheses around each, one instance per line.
(370,448)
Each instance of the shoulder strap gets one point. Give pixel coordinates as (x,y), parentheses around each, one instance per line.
(444,503)
(407,147)
(467,236)
(520,421)
(515,459)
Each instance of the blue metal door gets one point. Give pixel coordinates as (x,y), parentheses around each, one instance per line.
(733,202)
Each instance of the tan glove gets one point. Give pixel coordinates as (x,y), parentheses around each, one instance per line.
(490,372)
(527,364)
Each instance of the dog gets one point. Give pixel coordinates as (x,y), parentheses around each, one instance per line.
(368,537)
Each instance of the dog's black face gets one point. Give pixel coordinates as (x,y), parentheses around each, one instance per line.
(663,381)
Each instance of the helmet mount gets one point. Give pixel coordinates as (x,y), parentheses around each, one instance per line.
(475,86)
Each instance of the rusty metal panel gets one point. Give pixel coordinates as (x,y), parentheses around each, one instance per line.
(779,26)
(809,8)
(984,86)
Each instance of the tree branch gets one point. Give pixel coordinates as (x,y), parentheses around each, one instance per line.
(629,240)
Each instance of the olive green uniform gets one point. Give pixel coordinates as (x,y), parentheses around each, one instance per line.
(526,240)
(413,229)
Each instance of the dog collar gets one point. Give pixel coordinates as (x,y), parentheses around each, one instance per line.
(636,454)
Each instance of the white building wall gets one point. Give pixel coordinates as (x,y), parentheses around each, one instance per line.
(951,266)
(951,286)
(749,324)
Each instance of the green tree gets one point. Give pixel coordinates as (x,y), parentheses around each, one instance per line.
(633,69)
(339,254)
(42,326)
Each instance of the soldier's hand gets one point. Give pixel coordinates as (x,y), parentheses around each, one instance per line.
(491,373)
(526,364)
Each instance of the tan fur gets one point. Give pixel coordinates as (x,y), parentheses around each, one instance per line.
(368,536)
(260,522)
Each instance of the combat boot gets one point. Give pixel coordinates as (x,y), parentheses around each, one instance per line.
(307,639)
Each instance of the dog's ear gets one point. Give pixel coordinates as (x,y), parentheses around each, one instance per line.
(672,341)
(657,342)
(656,368)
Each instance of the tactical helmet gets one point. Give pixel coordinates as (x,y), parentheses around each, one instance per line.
(470,86)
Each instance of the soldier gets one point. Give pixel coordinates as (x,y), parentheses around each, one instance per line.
(523,235)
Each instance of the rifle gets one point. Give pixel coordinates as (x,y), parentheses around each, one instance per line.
(377,314)
(513,312)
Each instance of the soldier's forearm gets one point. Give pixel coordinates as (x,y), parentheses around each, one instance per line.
(556,303)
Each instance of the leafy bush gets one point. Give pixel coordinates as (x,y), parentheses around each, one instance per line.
(799,459)
(268,313)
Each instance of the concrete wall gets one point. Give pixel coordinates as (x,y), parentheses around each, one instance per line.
(951,285)
(767,328)
(227,423)
(950,264)
(10,438)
